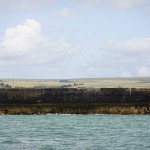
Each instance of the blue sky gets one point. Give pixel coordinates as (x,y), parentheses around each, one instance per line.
(52,39)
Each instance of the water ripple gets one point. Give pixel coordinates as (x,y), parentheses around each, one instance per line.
(104,132)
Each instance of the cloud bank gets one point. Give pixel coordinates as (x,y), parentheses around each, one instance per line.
(30,4)
(26,44)
(126,3)
(123,58)
(25,51)
(123,4)
(133,45)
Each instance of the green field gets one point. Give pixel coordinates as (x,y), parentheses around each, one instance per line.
(80,83)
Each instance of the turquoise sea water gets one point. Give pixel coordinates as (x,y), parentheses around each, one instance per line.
(90,132)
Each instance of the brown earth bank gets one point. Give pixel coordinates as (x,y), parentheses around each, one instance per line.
(123,109)
(75,101)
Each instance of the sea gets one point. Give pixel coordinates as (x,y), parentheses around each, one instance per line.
(74,132)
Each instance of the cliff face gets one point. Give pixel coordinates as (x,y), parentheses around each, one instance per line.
(76,108)
(104,95)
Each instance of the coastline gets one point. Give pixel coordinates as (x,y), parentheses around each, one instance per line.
(75,101)
(30,109)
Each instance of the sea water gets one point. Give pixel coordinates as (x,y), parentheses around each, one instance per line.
(70,132)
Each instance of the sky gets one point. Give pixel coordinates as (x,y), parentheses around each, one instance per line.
(64,39)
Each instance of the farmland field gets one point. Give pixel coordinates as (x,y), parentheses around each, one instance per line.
(80,83)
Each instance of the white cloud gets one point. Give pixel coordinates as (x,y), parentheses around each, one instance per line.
(25,44)
(134,45)
(21,5)
(89,67)
(121,58)
(125,74)
(32,5)
(18,4)
(21,40)
(126,3)
(144,71)
(65,12)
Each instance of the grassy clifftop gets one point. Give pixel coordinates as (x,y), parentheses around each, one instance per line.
(141,82)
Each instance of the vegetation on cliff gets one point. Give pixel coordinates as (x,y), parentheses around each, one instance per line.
(75,109)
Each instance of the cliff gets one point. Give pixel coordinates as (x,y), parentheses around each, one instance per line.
(57,100)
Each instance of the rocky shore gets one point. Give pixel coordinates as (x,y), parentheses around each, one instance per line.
(75,101)
(123,109)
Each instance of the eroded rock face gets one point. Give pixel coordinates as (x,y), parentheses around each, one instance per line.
(57,95)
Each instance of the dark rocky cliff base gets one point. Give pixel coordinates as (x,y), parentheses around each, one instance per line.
(75,101)
(75,109)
